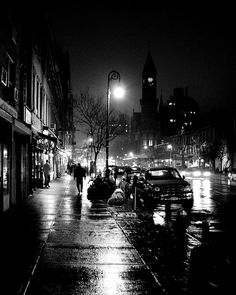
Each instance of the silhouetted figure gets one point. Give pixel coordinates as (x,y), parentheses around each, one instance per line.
(92,168)
(79,175)
(46,172)
(128,171)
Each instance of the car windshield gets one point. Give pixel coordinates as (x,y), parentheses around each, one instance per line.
(162,174)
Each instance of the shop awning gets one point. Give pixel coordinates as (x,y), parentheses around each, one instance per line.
(47,137)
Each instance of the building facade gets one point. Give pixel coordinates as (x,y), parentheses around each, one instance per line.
(33,96)
(182,112)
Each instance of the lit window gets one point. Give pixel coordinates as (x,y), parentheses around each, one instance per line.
(150,142)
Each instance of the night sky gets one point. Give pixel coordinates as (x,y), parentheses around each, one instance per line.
(192,46)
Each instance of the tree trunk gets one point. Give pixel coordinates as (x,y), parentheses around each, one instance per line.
(95,163)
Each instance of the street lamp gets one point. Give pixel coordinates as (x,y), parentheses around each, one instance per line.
(113,75)
(169,148)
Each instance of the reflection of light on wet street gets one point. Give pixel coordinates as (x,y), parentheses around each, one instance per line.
(49,205)
(158,219)
(111,281)
(202,194)
(111,255)
(68,177)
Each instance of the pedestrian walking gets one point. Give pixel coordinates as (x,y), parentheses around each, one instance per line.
(46,172)
(92,169)
(79,175)
(128,171)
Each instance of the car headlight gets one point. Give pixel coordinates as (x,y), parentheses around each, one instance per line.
(147,187)
(207,173)
(157,189)
(197,173)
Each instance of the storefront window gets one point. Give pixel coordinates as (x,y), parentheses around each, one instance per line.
(5,170)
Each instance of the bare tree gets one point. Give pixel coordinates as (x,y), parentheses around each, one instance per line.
(90,113)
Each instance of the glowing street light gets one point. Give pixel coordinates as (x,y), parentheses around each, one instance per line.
(119,93)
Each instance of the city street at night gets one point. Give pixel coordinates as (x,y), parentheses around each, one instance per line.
(117,148)
(59,243)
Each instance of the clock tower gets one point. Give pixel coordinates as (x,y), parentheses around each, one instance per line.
(149,99)
(145,125)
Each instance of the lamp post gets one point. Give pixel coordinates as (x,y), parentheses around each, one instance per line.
(113,75)
(91,147)
(169,147)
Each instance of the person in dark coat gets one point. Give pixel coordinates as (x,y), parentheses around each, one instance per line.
(79,175)
(46,172)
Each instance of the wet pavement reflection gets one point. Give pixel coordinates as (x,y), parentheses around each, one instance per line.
(86,252)
(61,243)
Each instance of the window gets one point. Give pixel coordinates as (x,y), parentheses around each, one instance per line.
(145,144)
(25,89)
(33,91)
(4,76)
(16,94)
(37,96)
(11,72)
(8,71)
(150,142)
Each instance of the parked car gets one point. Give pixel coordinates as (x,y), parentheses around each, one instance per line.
(232,174)
(196,172)
(164,185)
(135,170)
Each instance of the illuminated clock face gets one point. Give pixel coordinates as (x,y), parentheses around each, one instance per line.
(150,79)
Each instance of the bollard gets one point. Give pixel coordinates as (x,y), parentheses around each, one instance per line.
(205,231)
(181,225)
(135,193)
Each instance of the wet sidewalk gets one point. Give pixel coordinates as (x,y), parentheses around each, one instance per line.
(60,243)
